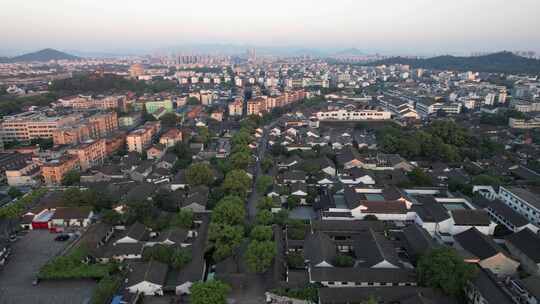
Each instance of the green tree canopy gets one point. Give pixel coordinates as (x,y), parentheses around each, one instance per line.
(71,178)
(261,233)
(229,210)
(240,160)
(209,292)
(259,255)
(169,120)
(183,219)
(14,192)
(444,269)
(237,182)
(225,239)
(199,174)
(263,183)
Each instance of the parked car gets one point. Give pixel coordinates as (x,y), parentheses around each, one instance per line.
(62,238)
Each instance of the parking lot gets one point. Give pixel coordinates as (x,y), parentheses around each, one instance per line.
(28,254)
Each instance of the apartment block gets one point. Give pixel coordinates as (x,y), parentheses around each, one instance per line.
(54,171)
(90,153)
(30,125)
(141,138)
(71,134)
(236,108)
(523,201)
(103,124)
(170,138)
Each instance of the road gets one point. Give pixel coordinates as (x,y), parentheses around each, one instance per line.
(261,149)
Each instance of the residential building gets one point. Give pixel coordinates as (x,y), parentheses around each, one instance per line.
(515,123)
(236,107)
(91,153)
(525,246)
(140,139)
(426,107)
(171,137)
(31,125)
(153,106)
(53,171)
(523,201)
(361,114)
(24,175)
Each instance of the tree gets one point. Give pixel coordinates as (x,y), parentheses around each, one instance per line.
(419,178)
(444,269)
(241,138)
(240,160)
(209,292)
(183,219)
(14,192)
(293,201)
(204,135)
(193,101)
(199,174)
(264,217)
(73,197)
(180,258)
(295,260)
(370,300)
(169,120)
(266,164)
(225,239)
(71,178)
(229,210)
(344,261)
(237,182)
(265,203)
(263,183)
(111,217)
(371,217)
(259,255)
(261,233)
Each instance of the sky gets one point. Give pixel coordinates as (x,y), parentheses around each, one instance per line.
(386,26)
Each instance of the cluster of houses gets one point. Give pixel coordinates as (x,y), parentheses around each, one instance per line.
(362,210)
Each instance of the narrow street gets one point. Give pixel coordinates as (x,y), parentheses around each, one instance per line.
(261,149)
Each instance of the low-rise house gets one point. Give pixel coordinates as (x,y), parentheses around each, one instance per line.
(156,151)
(135,233)
(167,161)
(352,277)
(525,246)
(147,278)
(417,241)
(477,247)
(486,289)
(105,173)
(179,181)
(23,175)
(71,217)
(120,252)
(196,199)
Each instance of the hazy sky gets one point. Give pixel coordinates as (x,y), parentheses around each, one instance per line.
(394,26)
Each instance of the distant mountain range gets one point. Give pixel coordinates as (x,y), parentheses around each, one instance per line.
(42,55)
(502,62)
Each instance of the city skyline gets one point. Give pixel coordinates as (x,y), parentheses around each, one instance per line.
(390,27)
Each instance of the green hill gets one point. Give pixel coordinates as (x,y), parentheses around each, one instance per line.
(502,62)
(43,55)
